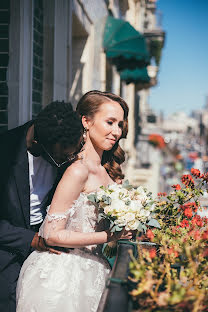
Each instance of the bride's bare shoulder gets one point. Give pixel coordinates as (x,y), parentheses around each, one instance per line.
(78,170)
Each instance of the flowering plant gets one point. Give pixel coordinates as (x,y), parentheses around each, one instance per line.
(156,140)
(173,275)
(125,207)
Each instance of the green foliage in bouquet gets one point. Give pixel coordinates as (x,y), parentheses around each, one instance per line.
(174,276)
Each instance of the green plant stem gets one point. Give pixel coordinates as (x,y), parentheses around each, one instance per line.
(158,284)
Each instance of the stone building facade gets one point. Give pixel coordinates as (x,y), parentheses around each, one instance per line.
(53,50)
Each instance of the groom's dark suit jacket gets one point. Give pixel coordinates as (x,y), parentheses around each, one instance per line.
(15,233)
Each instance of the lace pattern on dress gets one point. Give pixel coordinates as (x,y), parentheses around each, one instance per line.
(55,222)
(60,216)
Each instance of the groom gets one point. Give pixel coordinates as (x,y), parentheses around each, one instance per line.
(31,157)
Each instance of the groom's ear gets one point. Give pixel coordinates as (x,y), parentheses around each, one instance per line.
(35,144)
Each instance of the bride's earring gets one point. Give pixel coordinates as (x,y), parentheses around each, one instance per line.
(85,134)
(84,137)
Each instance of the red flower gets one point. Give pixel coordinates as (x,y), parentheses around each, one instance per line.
(188,213)
(172,251)
(205,219)
(176,186)
(196,173)
(205,235)
(161,194)
(184,224)
(191,205)
(152,253)
(150,234)
(197,235)
(157,140)
(187,180)
(197,220)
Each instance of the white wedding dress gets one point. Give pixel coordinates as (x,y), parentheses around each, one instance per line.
(70,282)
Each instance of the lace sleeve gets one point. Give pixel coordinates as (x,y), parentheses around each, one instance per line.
(55,223)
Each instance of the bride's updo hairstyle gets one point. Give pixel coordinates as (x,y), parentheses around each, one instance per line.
(88,106)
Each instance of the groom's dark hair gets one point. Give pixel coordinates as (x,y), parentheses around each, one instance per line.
(58,123)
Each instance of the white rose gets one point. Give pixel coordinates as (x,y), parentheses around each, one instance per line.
(132,225)
(135,206)
(144,213)
(129,216)
(114,195)
(121,221)
(118,205)
(140,190)
(141,194)
(100,194)
(115,187)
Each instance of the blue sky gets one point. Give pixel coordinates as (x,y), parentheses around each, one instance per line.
(183,77)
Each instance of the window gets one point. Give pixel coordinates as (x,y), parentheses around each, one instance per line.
(37,80)
(4,58)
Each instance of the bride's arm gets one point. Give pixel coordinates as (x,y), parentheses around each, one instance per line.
(53,228)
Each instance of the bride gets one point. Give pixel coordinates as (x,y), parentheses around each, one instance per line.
(74,281)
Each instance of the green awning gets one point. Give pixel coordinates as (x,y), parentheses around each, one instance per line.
(124,45)
(138,75)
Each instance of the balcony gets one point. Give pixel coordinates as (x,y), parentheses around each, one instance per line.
(151,4)
(155,41)
(154,34)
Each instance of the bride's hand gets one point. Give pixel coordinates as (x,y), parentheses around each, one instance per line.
(126,234)
(119,235)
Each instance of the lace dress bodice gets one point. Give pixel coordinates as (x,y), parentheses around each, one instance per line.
(84,216)
(81,217)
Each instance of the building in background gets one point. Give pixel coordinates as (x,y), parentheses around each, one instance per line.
(48,51)
(60,49)
(136,74)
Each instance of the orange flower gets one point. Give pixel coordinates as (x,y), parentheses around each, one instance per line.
(197,220)
(152,253)
(161,194)
(176,186)
(184,224)
(188,213)
(150,234)
(172,251)
(205,235)
(191,205)
(187,180)
(157,140)
(195,234)
(196,173)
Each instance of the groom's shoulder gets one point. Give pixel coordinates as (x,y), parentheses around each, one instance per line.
(12,136)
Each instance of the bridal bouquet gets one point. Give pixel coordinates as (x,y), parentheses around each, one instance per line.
(124,207)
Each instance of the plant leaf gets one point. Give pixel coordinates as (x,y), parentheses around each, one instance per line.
(92,198)
(106,199)
(141,227)
(126,185)
(154,223)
